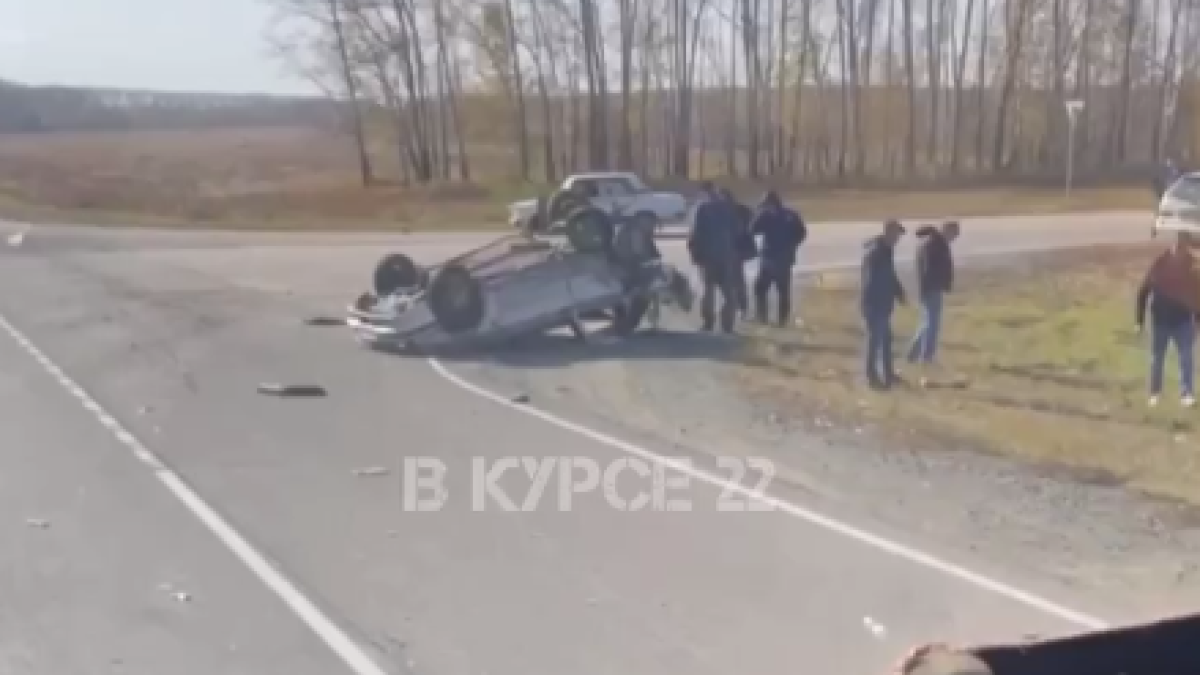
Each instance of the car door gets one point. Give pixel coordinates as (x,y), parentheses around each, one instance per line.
(595,190)
(618,195)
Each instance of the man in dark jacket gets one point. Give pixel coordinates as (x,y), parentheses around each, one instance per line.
(746,249)
(881,290)
(1171,290)
(935,277)
(712,245)
(783,232)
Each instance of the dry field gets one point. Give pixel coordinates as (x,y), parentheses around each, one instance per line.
(296,178)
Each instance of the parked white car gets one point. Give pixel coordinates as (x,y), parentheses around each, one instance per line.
(621,195)
(1179,209)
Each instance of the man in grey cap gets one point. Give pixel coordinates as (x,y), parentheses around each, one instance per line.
(881,290)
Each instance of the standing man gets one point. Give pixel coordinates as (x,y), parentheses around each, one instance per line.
(881,290)
(747,250)
(1171,288)
(712,245)
(935,276)
(783,232)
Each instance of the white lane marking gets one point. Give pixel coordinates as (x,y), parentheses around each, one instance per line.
(870,539)
(844,529)
(347,649)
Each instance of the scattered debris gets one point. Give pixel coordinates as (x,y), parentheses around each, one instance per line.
(520,398)
(292,390)
(325,321)
(145,410)
(371,471)
(38,523)
(178,595)
(874,627)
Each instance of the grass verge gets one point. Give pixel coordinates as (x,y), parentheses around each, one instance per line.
(1039,361)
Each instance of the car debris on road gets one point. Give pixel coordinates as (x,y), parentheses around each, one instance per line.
(325,321)
(292,390)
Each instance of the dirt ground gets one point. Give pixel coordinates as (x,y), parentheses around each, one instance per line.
(307,179)
(1039,361)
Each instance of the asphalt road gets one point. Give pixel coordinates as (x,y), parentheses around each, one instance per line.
(128,367)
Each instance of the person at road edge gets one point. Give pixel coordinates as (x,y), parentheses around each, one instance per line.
(880,291)
(746,248)
(783,233)
(935,277)
(1171,292)
(712,244)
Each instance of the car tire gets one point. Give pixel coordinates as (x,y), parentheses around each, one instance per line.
(396,271)
(590,230)
(456,299)
(562,204)
(628,315)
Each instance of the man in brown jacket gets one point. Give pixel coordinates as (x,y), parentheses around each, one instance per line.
(1171,291)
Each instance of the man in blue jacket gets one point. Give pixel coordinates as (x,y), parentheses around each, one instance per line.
(881,290)
(712,245)
(746,248)
(782,231)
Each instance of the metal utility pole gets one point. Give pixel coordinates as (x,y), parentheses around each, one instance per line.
(1074,106)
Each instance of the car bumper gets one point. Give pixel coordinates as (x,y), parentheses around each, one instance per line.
(1174,224)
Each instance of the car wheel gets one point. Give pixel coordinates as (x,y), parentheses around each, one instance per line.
(395,271)
(456,299)
(562,203)
(590,230)
(629,314)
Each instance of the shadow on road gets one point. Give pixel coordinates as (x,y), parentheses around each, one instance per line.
(555,350)
(560,348)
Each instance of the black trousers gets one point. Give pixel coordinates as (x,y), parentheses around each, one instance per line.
(718,280)
(778,277)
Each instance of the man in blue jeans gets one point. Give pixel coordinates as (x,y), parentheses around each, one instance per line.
(1171,291)
(935,277)
(881,290)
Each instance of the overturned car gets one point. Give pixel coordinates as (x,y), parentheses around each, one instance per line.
(521,285)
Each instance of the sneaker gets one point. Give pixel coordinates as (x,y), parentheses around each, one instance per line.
(1189,401)
(1153,402)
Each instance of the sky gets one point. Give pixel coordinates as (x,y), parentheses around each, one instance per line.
(174,45)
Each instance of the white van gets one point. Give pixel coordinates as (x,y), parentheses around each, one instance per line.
(1179,209)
